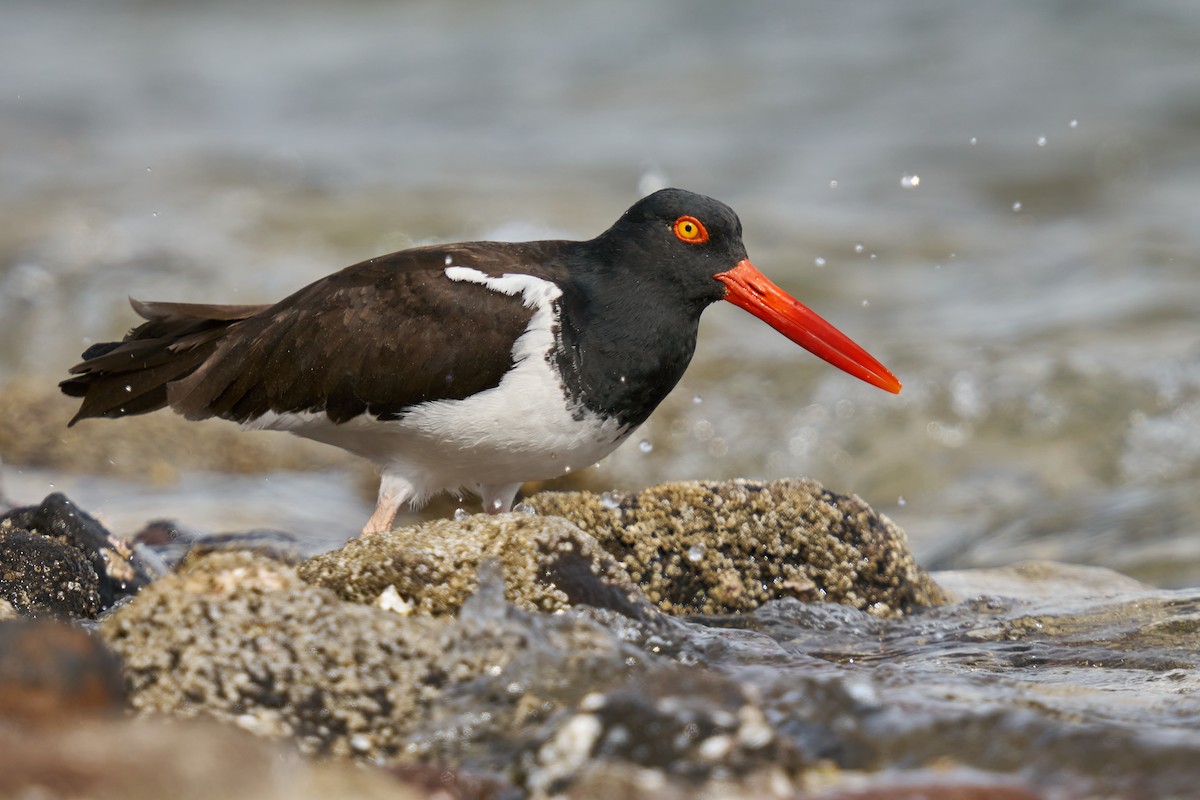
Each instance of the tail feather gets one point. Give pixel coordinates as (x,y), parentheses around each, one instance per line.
(117,379)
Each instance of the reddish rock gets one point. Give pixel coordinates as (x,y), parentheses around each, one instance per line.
(53,673)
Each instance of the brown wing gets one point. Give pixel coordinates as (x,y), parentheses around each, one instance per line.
(117,379)
(376,337)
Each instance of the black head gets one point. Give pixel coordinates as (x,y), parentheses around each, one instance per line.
(680,237)
(691,246)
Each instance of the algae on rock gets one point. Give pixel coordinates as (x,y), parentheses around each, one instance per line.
(722,547)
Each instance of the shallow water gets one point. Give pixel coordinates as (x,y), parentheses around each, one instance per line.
(1034,285)
(1049,671)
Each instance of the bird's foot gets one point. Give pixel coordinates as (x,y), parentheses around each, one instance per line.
(498,499)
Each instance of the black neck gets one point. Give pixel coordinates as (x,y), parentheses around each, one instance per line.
(625,343)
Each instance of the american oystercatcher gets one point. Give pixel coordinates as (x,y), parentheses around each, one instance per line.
(476,366)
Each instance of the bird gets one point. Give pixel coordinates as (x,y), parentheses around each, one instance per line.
(475,366)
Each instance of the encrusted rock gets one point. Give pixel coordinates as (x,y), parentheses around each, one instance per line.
(677,722)
(709,547)
(117,572)
(243,638)
(39,575)
(549,565)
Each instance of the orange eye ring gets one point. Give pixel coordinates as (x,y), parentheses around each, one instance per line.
(691,230)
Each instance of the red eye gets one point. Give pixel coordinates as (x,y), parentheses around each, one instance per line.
(690,230)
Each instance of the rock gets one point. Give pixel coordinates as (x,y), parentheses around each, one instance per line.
(117,570)
(680,723)
(549,565)
(39,575)
(613,779)
(439,783)
(710,547)
(147,759)
(947,783)
(244,639)
(1043,579)
(53,673)
(172,543)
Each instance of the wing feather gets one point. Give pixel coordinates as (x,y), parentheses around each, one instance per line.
(377,337)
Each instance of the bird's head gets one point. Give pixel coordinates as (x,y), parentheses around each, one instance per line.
(696,243)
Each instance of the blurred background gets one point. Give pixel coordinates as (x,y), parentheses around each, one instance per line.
(998,201)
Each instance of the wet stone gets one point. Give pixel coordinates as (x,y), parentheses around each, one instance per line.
(40,575)
(709,547)
(117,570)
(682,723)
(170,543)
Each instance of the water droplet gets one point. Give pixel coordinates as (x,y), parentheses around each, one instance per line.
(449,261)
(1074,123)
(833,184)
(1017,206)
(128,387)
(622,379)
(873,256)
(900,501)
(858,248)
(496,505)
(866,303)
(154,213)
(610,500)
(910,181)
(697,399)
(566,470)
(819,261)
(695,553)
(974,140)
(1041,141)
(645,446)
(524,508)
(461,513)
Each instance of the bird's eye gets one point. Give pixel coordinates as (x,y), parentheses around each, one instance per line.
(690,230)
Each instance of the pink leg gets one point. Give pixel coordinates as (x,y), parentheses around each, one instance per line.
(394,492)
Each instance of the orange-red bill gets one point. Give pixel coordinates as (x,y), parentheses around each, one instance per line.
(753,291)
